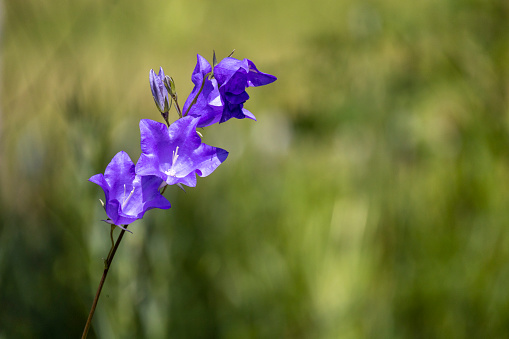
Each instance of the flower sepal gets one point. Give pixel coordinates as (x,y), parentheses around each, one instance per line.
(109,221)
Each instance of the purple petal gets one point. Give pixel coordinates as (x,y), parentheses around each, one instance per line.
(231,111)
(152,198)
(120,174)
(99,180)
(201,69)
(237,83)
(159,147)
(128,197)
(257,78)
(183,133)
(154,146)
(176,154)
(153,84)
(227,67)
(208,106)
(236,99)
(144,197)
(208,158)
(112,211)
(189,180)
(248,114)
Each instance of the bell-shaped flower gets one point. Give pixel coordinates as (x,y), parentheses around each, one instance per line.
(233,77)
(159,91)
(207,105)
(128,196)
(176,154)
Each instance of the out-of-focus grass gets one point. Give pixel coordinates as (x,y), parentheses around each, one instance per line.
(368,200)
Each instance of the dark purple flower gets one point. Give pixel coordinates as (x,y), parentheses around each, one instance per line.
(159,92)
(176,153)
(128,196)
(208,105)
(233,77)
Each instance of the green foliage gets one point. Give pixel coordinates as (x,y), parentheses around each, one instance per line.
(369,199)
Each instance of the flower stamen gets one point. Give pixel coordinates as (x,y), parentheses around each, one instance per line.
(171,172)
(175,156)
(127,199)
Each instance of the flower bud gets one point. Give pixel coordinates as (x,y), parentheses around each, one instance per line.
(170,85)
(159,91)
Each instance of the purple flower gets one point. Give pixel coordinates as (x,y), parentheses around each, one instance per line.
(233,77)
(208,105)
(128,196)
(159,92)
(176,153)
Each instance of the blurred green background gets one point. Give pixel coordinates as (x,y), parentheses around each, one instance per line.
(369,200)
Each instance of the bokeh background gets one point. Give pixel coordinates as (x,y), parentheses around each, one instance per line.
(369,200)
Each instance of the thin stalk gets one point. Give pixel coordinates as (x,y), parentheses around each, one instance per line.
(197,94)
(178,107)
(112,245)
(107,265)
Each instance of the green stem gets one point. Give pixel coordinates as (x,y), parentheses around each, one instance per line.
(197,94)
(178,107)
(107,265)
(112,246)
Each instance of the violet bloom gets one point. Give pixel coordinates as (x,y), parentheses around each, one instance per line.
(176,153)
(128,196)
(233,77)
(159,92)
(208,104)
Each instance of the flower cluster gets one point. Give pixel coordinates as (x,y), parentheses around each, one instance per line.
(173,154)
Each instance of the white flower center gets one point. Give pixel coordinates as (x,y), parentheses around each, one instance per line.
(128,197)
(171,172)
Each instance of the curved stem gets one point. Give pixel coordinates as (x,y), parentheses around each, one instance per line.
(178,107)
(197,94)
(112,246)
(107,265)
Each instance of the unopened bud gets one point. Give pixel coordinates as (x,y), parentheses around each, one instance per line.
(214,59)
(159,93)
(170,85)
